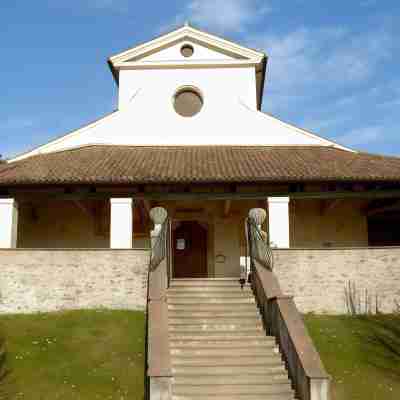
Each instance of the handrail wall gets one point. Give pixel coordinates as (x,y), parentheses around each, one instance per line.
(159,369)
(283,320)
(258,245)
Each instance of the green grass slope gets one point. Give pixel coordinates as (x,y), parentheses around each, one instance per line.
(75,355)
(362,354)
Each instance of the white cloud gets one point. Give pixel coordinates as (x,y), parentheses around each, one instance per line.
(222,15)
(323,58)
(335,82)
(362,136)
(321,74)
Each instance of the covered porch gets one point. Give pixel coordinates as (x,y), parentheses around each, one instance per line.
(100,197)
(208,229)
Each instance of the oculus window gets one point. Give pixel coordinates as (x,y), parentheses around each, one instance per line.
(187,50)
(188,102)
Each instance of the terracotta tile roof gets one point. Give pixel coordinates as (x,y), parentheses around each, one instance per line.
(201,164)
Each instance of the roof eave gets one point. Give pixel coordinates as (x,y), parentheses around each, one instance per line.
(115,72)
(263,79)
(179,33)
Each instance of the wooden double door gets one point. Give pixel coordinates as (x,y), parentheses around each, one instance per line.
(189,241)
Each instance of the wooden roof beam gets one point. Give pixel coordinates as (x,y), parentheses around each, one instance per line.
(378,210)
(329,205)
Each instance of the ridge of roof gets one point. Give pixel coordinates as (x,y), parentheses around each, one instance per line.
(165,147)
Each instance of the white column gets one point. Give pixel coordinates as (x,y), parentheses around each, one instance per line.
(8,223)
(121,229)
(278,214)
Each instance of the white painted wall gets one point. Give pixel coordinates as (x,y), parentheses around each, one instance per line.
(278,214)
(8,223)
(157,88)
(146,115)
(121,227)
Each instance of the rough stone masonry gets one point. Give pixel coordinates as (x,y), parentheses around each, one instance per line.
(50,280)
(317,277)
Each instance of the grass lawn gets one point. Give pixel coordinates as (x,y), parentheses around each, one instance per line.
(361,354)
(75,355)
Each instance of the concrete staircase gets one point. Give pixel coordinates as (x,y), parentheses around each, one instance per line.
(219,349)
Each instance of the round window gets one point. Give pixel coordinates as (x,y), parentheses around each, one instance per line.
(188,102)
(187,50)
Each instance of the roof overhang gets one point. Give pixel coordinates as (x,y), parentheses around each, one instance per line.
(101,165)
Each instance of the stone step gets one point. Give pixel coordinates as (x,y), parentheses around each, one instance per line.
(175,300)
(217,352)
(281,396)
(219,320)
(214,294)
(212,370)
(228,361)
(217,336)
(262,389)
(212,333)
(204,282)
(232,379)
(182,283)
(211,307)
(252,312)
(210,289)
(259,342)
(216,326)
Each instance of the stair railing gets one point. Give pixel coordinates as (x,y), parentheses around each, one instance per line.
(160,251)
(159,372)
(281,317)
(259,248)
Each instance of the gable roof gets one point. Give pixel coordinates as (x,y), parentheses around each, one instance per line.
(135,57)
(199,164)
(187,32)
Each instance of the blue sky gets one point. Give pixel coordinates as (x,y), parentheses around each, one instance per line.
(334,67)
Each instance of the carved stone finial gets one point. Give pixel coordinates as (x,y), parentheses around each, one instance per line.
(257,215)
(158,215)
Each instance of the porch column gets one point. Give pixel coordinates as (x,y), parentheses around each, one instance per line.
(121,229)
(278,213)
(8,223)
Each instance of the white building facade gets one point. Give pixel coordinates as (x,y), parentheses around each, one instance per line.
(189,135)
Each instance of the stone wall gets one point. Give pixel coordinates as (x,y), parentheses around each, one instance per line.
(49,280)
(317,277)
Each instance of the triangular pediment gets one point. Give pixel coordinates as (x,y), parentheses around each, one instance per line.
(169,49)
